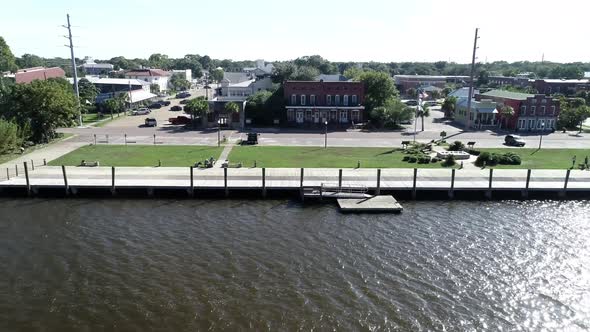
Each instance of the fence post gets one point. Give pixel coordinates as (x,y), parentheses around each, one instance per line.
(67,188)
(525,192)
(340,179)
(378,190)
(264,182)
(192,188)
(7,174)
(125,139)
(452,191)
(154,139)
(225,181)
(490,180)
(301,184)
(414,184)
(16,169)
(113,180)
(27,178)
(32,165)
(94,139)
(44,162)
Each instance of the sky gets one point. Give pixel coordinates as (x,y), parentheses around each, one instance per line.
(343,30)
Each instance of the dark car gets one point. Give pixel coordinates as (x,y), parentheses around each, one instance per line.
(184,101)
(179,120)
(183,95)
(176,108)
(514,140)
(155,105)
(165,102)
(151,122)
(252,139)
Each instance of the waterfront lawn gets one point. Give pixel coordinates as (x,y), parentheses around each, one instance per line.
(544,158)
(4,158)
(318,157)
(139,155)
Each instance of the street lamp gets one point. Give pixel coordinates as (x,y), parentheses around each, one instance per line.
(326,135)
(219,132)
(541,134)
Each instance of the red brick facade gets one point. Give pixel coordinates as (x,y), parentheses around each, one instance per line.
(313,102)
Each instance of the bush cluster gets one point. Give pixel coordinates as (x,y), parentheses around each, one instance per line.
(449,160)
(456,146)
(492,159)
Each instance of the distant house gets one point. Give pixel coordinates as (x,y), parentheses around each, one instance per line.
(566,87)
(331,78)
(262,69)
(314,102)
(405,82)
(187,74)
(38,73)
(484,113)
(153,76)
(108,88)
(96,69)
(531,112)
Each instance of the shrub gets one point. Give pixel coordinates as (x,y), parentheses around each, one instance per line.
(412,159)
(492,159)
(405,158)
(472,152)
(456,146)
(435,160)
(423,159)
(449,160)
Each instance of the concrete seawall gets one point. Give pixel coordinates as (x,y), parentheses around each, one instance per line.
(279,182)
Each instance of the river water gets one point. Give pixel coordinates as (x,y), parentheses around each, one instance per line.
(189,265)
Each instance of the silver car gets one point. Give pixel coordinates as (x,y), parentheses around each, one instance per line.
(141,111)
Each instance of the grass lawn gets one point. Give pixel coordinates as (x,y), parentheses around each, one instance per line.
(544,158)
(336,157)
(9,156)
(91,117)
(139,155)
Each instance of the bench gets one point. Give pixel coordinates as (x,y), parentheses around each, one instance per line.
(85,163)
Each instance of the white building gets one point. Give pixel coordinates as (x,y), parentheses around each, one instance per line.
(95,69)
(152,76)
(187,74)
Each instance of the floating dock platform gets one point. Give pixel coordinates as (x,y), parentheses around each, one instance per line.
(381,203)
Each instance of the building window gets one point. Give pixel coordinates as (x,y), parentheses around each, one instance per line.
(354,100)
(302,99)
(345,100)
(521,124)
(542,110)
(543,101)
(312,99)
(533,108)
(553,110)
(308,115)
(293,99)
(337,100)
(328,100)
(522,110)
(290,115)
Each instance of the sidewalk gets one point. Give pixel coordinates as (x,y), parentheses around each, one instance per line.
(50,152)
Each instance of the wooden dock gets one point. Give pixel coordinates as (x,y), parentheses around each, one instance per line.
(382,203)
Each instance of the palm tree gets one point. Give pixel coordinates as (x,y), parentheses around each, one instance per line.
(448,106)
(506,112)
(423,111)
(197,107)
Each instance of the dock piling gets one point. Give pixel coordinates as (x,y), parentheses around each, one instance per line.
(378,190)
(32,165)
(7,174)
(301,184)
(192,187)
(489,191)
(264,182)
(44,162)
(565,182)
(525,192)
(27,179)
(414,183)
(452,190)
(16,169)
(340,179)
(225,181)
(66,187)
(113,180)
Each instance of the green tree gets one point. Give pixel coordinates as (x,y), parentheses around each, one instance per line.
(305,73)
(158,60)
(506,112)
(483,78)
(190,61)
(231,108)
(379,88)
(283,71)
(179,83)
(9,136)
(117,104)
(42,106)
(88,93)
(154,88)
(7,60)
(353,73)
(29,61)
(412,93)
(448,106)
(392,113)
(197,107)
(217,74)
(572,114)
(422,112)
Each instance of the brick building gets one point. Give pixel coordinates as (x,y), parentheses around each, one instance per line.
(531,112)
(313,102)
(566,87)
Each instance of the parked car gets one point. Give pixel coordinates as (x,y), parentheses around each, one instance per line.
(179,120)
(514,140)
(252,139)
(184,101)
(141,111)
(430,103)
(155,105)
(183,95)
(176,108)
(410,102)
(151,122)
(164,102)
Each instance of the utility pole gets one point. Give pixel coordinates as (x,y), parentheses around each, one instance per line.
(74,69)
(471,81)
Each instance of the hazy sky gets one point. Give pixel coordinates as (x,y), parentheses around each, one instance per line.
(343,30)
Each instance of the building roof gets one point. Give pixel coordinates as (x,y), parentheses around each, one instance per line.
(463,93)
(331,78)
(140,95)
(507,94)
(431,88)
(243,84)
(112,81)
(235,77)
(147,72)
(564,81)
(38,73)
(98,65)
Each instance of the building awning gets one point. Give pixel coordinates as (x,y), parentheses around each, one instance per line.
(141,95)
(486,110)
